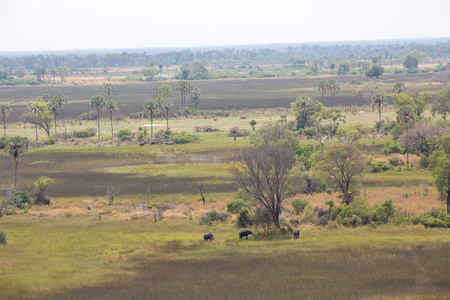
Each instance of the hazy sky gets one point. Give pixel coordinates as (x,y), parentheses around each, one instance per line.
(85,24)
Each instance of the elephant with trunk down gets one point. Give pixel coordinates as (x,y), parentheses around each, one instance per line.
(296,234)
(208,236)
(245,233)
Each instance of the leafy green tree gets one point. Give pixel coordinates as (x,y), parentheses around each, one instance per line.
(63,72)
(151,106)
(111,107)
(334,87)
(274,134)
(164,93)
(184,87)
(167,106)
(195,96)
(98,102)
(399,88)
(39,114)
(352,132)
(412,59)
(149,73)
(375,71)
(253,124)
(46,98)
(40,72)
(326,123)
(16,147)
(304,108)
(56,106)
(5,111)
(343,67)
(420,102)
(368,89)
(108,89)
(441,105)
(440,165)
(342,165)
(378,100)
(322,87)
(20,72)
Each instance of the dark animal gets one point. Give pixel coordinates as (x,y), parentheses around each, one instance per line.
(208,236)
(296,234)
(329,191)
(245,233)
(294,222)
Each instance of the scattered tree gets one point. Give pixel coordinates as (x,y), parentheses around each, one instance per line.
(399,88)
(151,106)
(98,102)
(378,100)
(441,105)
(304,109)
(263,174)
(63,72)
(5,111)
(342,165)
(39,114)
(375,71)
(253,124)
(108,89)
(322,87)
(167,106)
(184,87)
(16,147)
(195,96)
(111,106)
(56,106)
(343,67)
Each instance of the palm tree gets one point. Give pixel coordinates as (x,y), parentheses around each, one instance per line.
(406,114)
(334,87)
(111,106)
(33,109)
(184,88)
(5,111)
(377,100)
(16,147)
(322,87)
(98,102)
(167,106)
(151,106)
(195,96)
(109,89)
(46,98)
(56,106)
(399,88)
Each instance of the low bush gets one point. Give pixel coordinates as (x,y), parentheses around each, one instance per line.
(234,206)
(395,161)
(424,162)
(380,166)
(392,147)
(299,205)
(3,142)
(92,115)
(213,216)
(244,218)
(235,131)
(124,133)
(20,198)
(88,132)
(2,237)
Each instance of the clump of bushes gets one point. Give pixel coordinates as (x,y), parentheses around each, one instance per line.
(392,147)
(2,237)
(3,142)
(205,128)
(92,115)
(124,134)
(88,132)
(299,205)
(168,136)
(235,131)
(213,216)
(380,166)
(40,187)
(244,218)
(20,198)
(395,161)
(234,206)
(432,219)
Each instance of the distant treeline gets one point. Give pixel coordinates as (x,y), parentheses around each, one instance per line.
(387,52)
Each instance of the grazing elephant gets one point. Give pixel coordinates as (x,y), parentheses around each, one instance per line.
(208,236)
(245,233)
(296,234)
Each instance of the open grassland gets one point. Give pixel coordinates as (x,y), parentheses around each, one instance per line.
(79,258)
(216,94)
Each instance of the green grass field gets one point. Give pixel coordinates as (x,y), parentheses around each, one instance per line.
(64,251)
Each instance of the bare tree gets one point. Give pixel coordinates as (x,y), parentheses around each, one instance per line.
(342,165)
(263,174)
(425,138)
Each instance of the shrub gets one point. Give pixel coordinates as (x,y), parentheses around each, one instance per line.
(124,133)
(395,161)
(183,138)
(380,166)
(20,198)
(384,211)
(92,115)
(424,162)
(2,237)
(88,132)
(51,139)
(41,185)
(234,206)
(213,216)
(235,131)
(244,218)
(299,205)
(3,142)
(392,147)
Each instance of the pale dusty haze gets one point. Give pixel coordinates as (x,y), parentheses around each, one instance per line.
(82,24)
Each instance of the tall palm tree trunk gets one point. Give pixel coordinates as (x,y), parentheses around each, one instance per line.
(55,127)
(35,126)
(112,131)
(151,124)
(98,120)
(379,112)
(167,117)
(4,127)
(15,176)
